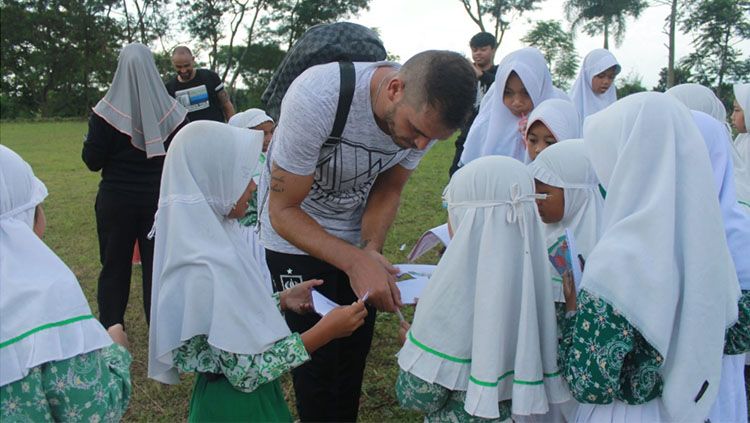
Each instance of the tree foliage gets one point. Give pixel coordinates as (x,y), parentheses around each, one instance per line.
(607,17)
(495,16)
(681,75)
(56,55)
(558,48)
(717,27)
(630,84)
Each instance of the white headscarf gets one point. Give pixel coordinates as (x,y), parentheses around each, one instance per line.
(559,116)
(486,321)
(495,129)
(586,101)
(204,282)
(698,97)
(662,259)
(250,118)
(565,165)
(736,221)
(137,103)
(741,150)
(43,314)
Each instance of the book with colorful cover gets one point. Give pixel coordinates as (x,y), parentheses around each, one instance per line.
(563,256)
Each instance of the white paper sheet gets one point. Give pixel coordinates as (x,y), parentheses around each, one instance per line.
(429,240)
(322,304)
(411,289)
(415,270)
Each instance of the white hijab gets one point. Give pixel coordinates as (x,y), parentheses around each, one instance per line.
(736,221)
(43,314)
(204,283)
(495,129)
(559,116)
(662,259)
(586,101)
(137,103)
(565,165)
(486,321)
(250,118)
(698,97)
(741,150)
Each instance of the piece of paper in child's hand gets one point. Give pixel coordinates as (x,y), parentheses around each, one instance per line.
(322,304)
(411,289)
(415,270)
(575,264)
(429,240)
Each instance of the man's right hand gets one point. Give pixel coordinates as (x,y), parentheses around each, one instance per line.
(373,273)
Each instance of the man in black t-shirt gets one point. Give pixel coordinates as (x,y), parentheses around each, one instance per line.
(483,47)
(199,90)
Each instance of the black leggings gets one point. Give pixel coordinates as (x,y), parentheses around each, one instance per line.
(119,223)
(328,386)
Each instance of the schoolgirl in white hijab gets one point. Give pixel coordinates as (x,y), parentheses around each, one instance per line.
(552,121)
(741,151)
(211,309)
(698,97)
(662,264)
(599,64)
(255,120)
(495,130)
(44,316)
(731,403)
(565,166)
(485,325)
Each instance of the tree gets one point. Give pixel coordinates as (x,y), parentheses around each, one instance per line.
(57,54)
(294,17)
(717,27)
(602,16)
(630,84)
(145,20)
(558,48)
(670,29)
(495,16)
(680,75)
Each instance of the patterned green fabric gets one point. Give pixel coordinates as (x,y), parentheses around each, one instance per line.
(91,387)
(438,403)
(605,358)
(738,336)
(245,372)
(251,215)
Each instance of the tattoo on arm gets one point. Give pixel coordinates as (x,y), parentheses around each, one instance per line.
(277,183)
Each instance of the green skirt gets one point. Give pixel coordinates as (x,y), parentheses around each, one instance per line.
(219,401)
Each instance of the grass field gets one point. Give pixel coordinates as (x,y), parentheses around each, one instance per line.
(54,151)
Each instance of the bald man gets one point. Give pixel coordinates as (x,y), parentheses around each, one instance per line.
(199,90)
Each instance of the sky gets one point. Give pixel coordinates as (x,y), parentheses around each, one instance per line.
(410,26)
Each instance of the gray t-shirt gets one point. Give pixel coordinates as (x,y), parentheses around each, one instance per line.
(344,173)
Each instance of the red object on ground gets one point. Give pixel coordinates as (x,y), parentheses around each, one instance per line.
(136,253)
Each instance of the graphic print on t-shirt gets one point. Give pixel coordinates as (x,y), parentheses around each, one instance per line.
(344,175)
(194,98)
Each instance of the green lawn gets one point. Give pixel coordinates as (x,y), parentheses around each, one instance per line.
(54,151)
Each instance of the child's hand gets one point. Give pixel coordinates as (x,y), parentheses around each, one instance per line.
(403,328)
(522,126)
(299,297)
(569,290)
(118,335)
(342,321)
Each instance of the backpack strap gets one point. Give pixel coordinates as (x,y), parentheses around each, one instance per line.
(346,95)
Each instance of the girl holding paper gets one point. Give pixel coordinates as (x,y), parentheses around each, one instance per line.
(495,355)
(643,340)
(209,315)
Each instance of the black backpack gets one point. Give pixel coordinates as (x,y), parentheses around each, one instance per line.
(342,42)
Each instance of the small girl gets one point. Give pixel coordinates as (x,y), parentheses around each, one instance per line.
(255,120)
(552,121)
(643,341)
(483,343)
(731,404)
(741,151)
(564,174)
(594,89)
(211,312)
(522,81)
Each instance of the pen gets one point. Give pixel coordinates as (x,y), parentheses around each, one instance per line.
(400,316)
